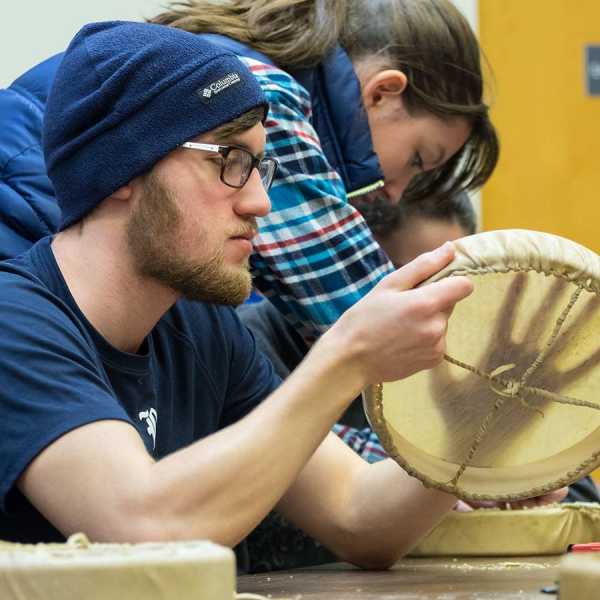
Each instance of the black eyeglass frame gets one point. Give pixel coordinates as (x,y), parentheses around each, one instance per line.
(270,163)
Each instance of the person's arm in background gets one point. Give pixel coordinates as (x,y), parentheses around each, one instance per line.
(584,490)
(314,256)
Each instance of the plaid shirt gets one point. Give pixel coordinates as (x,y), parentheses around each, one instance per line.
(363,441)
(314,254)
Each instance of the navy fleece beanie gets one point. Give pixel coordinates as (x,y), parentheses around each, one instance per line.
(127,94)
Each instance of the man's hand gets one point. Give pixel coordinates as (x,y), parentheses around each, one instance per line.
(397,330)
(549,498)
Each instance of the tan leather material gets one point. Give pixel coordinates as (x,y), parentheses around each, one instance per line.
(525,532)
(519,250)
(155,571)
(580,577)
(514,409)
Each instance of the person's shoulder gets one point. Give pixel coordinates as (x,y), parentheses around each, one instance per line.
(278,85)
(22,107)
(30,305)
(28,210)
(19,273)
(33,274)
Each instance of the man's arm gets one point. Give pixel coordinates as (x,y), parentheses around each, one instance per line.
(367,514)
(98,478)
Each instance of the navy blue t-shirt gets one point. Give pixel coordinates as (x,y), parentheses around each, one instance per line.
(198,371)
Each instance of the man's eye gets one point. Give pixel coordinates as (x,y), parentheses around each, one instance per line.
(235,160)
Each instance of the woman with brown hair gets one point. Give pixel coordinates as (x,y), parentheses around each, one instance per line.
(377,99)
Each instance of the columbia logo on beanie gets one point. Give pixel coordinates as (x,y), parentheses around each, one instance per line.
(127,94)
(218,86)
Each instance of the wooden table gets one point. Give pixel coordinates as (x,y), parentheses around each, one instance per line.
(520,578)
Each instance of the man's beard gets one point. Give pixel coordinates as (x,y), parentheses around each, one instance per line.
(153,235)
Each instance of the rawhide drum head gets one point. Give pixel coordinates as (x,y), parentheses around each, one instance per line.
(513,410)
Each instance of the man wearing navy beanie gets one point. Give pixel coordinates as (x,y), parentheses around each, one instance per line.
(125,95)
(131,397)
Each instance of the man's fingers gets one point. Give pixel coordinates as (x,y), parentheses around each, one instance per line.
(423,267)
(441,296)
(549,498)
(555,496)
(462,506)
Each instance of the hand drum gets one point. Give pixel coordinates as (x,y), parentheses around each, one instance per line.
(513,410)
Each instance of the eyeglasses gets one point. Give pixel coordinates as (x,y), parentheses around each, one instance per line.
(238,163)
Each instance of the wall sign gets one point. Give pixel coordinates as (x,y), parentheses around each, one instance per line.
(592,69)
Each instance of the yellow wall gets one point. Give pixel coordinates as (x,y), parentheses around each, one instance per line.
(549,174)
(548,177)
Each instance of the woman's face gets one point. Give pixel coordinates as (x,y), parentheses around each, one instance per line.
(409,145)
(417,235)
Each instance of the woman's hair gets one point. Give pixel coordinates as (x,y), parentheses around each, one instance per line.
(384,218)
(429,40)
(457,209)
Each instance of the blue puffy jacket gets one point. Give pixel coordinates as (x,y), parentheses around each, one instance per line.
(28,210)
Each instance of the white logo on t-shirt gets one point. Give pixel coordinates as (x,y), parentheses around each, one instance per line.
(151,417)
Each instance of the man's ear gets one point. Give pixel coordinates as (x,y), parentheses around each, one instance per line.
(383,86)
(123,193)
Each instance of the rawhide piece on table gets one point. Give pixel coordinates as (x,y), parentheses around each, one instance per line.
(580,577)
(196,570)
(518,532)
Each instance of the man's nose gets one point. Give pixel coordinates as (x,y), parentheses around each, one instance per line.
(254,199)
